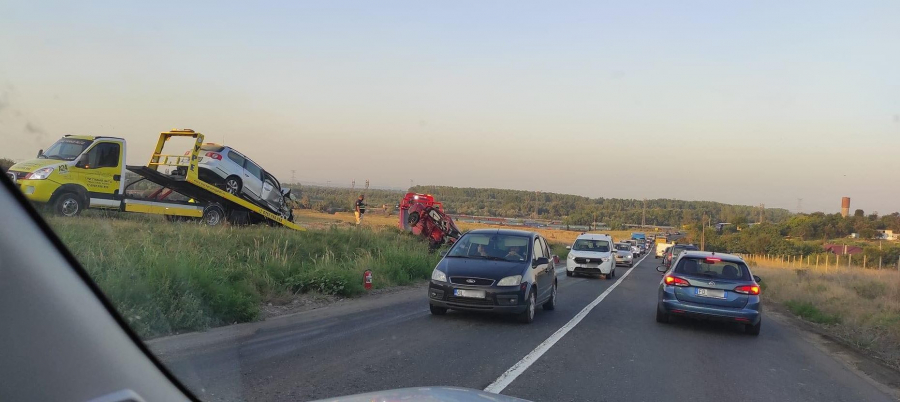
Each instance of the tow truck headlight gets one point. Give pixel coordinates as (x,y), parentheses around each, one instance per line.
(439,276)
(514,280)
(40,174)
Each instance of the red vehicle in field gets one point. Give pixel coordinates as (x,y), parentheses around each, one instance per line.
(423,216)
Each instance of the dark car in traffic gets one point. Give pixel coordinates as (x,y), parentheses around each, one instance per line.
(673,252)
(491,270)
(710,286)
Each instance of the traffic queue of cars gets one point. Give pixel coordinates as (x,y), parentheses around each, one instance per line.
(513,271)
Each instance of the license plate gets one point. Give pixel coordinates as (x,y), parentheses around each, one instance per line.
(475,294)
(716,293)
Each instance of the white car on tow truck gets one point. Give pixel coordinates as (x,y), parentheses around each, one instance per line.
(591,254)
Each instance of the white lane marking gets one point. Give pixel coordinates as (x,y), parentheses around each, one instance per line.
(517,369)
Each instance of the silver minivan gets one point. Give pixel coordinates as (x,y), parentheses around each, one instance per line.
(237,174)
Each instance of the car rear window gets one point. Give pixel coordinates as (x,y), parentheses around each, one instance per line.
(623,246)
(712,267)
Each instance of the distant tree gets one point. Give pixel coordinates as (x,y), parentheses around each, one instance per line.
(5,164)
(859,213)
(868,233)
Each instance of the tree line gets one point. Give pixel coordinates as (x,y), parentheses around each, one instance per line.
(802,235)
(569,209)
(580,210)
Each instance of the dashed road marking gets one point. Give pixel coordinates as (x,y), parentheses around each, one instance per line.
(517,369)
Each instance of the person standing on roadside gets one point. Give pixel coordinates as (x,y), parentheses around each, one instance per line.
(360,209)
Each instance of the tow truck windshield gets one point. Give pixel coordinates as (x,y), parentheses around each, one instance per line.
(66,149)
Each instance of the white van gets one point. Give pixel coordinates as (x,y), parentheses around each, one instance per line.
(592,254)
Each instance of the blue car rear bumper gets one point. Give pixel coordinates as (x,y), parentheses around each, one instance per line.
(749,314)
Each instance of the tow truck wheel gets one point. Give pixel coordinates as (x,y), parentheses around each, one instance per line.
(68,204)
(233,185)
(213,215)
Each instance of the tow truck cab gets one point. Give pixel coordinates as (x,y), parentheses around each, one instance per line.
(75,173)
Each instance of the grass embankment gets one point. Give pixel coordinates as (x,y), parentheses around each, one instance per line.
(174,277)
(859,306)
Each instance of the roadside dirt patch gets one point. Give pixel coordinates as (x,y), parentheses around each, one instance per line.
(865,364)
(312,301)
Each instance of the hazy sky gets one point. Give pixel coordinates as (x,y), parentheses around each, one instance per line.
(735,101)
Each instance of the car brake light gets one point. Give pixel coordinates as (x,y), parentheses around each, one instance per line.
(712,259)
(676,281)
(747,289)
(214,155)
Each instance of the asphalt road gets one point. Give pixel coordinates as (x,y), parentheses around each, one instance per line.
(616,352)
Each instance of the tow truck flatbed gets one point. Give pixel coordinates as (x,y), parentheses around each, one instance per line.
(204,194)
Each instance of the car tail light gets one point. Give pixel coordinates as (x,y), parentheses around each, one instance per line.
(747,289)
(214,155)
(676,281)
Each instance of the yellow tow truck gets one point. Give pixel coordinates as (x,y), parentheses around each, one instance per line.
(79,172)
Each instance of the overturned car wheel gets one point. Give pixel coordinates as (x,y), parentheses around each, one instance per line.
(413,219)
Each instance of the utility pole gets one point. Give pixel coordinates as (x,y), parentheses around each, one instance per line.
(762,212)
(703,235)
(293,176)
(799,205)
(644,214)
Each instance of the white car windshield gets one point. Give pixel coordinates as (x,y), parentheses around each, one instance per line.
(591,245)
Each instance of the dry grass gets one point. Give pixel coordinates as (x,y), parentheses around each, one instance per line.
(859,306)
(375,217)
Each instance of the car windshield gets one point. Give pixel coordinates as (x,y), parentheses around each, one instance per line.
(712,267)
(591,245)
(491,246)
(66,149)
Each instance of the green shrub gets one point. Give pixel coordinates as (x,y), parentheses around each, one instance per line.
(810,312)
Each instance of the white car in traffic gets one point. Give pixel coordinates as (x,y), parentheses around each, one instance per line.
(591,254)
(624,254)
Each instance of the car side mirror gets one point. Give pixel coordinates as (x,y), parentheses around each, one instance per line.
(40,153)
(757,279)
(79,163)
(540,261)
(443,253)
(568,247)
(661,268)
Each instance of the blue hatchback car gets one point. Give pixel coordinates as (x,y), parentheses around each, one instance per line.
(710,286)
